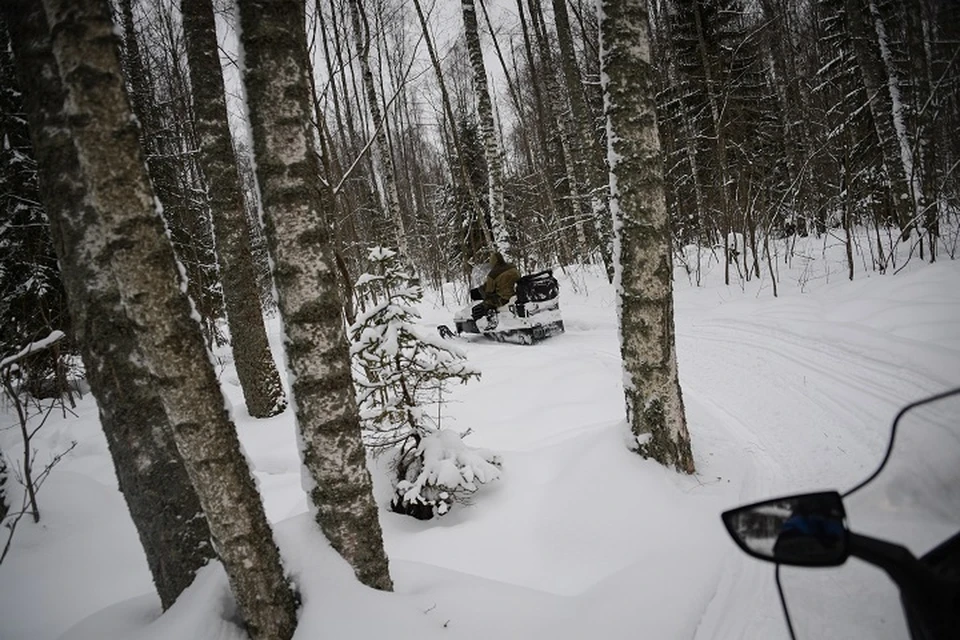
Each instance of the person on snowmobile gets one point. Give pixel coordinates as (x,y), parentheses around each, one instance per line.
(499,286)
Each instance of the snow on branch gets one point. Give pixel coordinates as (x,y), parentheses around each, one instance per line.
(34,347)
(401,371)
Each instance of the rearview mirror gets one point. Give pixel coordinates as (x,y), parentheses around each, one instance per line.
(808,530)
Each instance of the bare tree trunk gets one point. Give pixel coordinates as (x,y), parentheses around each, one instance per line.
(153,479)
(258,375)
(339,485)
(642,241)
(361,34)
(188,228)
(4,474)
(116,237)
(491,146)
(866,29)
(554,104)
(587,155)
(556,187)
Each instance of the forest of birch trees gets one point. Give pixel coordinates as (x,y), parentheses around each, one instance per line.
(443,129)
(250,154)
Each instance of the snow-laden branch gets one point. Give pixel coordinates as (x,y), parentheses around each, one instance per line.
(34,347)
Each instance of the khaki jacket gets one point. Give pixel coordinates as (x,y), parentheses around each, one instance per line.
(500,285)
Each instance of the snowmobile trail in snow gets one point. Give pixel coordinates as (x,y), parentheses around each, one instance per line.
(830,392)
(579,538)
(782,395)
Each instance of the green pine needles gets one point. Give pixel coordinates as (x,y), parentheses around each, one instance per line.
(402,372)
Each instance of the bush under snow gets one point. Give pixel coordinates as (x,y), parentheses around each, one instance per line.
(438,470)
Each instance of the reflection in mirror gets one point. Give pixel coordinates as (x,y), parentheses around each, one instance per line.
(805,530)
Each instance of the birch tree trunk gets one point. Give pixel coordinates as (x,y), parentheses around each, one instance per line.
(189,230)
(886,107)
(361,33)
(258,375)
(114,235)
(454,134)
(163,504)
(339,486)
(586,153)
(642,241)
(488,128)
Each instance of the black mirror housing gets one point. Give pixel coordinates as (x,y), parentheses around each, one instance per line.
(807,530)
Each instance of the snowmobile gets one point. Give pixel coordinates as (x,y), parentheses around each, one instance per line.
(913,497)
(532,315)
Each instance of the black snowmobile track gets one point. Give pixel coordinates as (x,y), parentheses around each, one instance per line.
(512,336)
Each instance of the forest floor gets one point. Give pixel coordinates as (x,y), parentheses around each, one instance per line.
(579,538)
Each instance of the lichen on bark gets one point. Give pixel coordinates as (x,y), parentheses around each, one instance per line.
(642,241)
(294,200)
(258,376)
(125,245)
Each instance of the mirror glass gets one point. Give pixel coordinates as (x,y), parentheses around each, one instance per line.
(805,530)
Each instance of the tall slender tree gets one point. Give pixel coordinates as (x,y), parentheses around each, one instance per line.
(162,138)
(491,144)
(361,34)
(642,238)
(881,80)
(294,199)
(115,236)
(460,160)
(258,375)
(587,152)
(153,479)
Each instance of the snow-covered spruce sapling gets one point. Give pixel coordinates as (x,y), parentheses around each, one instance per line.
(401,373)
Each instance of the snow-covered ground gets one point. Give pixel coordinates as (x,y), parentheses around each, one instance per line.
(579,538)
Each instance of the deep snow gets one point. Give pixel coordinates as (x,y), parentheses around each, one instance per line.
(578,538)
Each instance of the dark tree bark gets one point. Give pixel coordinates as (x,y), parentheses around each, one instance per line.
(258,375)
(645,286)
(339,485)
(886,106)
(4,474)
(114,236)
(163,504)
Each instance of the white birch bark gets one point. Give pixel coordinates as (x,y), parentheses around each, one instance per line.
(897,112)
(488,129)
(337,481)
(259,379)
(118,236)
(876,81)
(643,279)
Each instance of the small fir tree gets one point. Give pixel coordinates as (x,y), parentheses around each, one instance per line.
(401,372)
